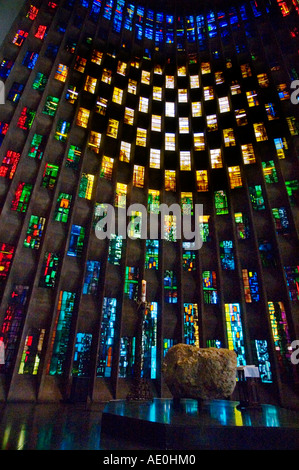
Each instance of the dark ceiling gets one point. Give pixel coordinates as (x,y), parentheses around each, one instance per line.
(185,6)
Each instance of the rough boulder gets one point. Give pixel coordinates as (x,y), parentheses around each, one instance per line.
(200,373)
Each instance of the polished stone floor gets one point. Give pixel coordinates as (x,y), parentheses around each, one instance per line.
(211,425)
(56,427)
(78,426)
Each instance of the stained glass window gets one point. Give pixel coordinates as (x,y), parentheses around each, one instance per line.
(73,157)
(281,146)
(170,287)
(31,355)
(50,175)
(94,141)
(15,92)
(216,158)
(169,141)
(138,176)
(49,270)
(235,331)
(191,328)
(71,94)
(9,164)
(229,137)
(221,203)
(210,291)
(149,342)
(3,130)
(40,82)
(256,197)
(86,185)
(131,282)
(141,136)
(19,37)
(63,206)
(80,64)
(21,197)
(107,167)
(115,249)
(100,211)
(292,188)
(157,93)
(26,118)
(104,367)
(281,220)
(153,201)
(204,228)
(95,10)
(108,9)
(30,59)
(202,180)
(122,68)
(41,32)
(91,277)
(187,203)
(139,23)
(170,228)
(260,132)
(82,355)
(82,117)
(51,105)
(235,179)
(6,67)
(127,356)
(12,324)
(61,335)
(156,123)
(106,76)
(270,172)
(125,152)
(112,128)
(227,255)
(189,257)
(159,31)
(292,278)
(170,180)
(263,360)
(90,84)
(6,256)
(135,225)
(121,195)
(185,160)
(129,14)
(129,116)
(96,56)
(248,154)
(242,226)
(212,123)
(241,117)
(62,130)
(251,286)
(281,336)
(117,96)
(32,12)
(34,232)
(196,109)
(168,343)
(37,146)
(149,21)
(61,72)
(76,241)
(152,254)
